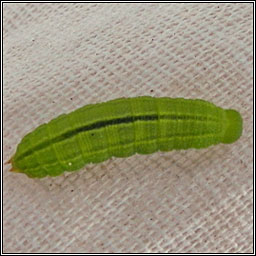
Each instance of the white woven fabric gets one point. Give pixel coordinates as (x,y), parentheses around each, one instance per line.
(58,57)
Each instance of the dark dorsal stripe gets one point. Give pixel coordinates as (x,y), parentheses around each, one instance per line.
(104,123)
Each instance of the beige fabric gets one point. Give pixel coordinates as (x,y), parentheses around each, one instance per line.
(58,57)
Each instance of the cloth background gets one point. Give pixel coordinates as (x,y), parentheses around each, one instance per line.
(58,57)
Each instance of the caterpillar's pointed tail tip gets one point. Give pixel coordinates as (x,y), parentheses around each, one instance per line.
(14,170)
(9,161)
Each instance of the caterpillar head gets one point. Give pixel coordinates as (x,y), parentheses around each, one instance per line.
(233,126)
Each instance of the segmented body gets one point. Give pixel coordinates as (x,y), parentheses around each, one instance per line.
(119,128)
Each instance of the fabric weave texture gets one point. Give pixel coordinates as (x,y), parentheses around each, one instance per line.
(61,56)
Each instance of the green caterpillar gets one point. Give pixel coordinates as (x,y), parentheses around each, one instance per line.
(121,128)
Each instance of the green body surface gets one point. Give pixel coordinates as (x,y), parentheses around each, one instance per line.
(121,128)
